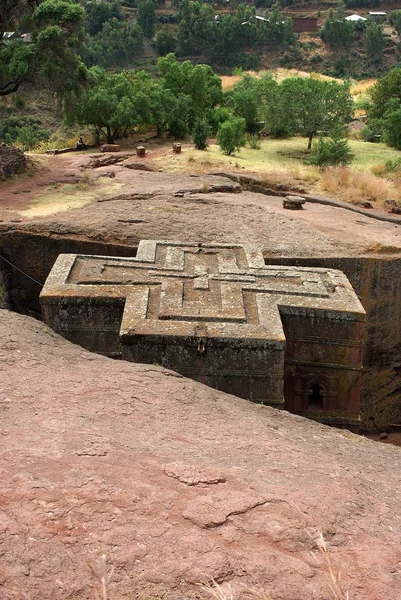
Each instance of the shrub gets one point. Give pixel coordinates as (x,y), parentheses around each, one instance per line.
(316,58)
(200,132)
(371,134)
(253,142)
(178,129)
(393,166)
(19,102)
(230,136)
(334,150)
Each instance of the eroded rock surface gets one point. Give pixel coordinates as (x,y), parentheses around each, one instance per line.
(176,483)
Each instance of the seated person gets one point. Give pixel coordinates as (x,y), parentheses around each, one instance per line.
(81,144)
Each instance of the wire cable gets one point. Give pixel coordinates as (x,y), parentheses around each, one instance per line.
(26,274)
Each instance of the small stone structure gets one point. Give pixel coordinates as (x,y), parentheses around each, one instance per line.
(177,148)
(110,148)
(141,151)
(218,314)
(293,202)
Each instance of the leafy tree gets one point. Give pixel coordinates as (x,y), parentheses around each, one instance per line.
(165,42)
(395,20)
(116,44)
(196,87)
(146,17)
(279,29)
(244,102)
(196,28)
(386,88)
(100,11)
(50,60)
(336,31)
(231,135)
(314,106)
(165,107)
(29,136)
(374,41)
(392,123)
(115,102)
(11,127)
(200,131)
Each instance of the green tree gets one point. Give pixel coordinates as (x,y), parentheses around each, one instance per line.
(196,87)
(374,41)
(231,135)
(51,60)
(279,29)
(200,131)
(392,123)
(195,29)
(100,11)
(336,31)
(165,42)
(115,102)
(244,101)
(314,106)
(395,20)
(386,88)
(116,44)
(146,17)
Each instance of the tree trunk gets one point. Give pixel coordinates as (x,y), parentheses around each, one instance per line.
(310,138)
(109,135)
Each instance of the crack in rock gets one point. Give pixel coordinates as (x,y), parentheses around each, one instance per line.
(212,511)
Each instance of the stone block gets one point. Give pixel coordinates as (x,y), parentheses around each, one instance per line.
(110,148)
(141,151)
(293,202)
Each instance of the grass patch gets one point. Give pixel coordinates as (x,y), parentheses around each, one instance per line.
(281,162)
(59,198)
(274,154)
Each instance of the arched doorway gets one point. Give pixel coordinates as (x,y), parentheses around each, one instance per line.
(316,397)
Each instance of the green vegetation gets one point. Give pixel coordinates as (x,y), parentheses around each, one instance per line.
(50,59)
(231,135)
(334,150)
(200,132)
(338,32)
(82,51)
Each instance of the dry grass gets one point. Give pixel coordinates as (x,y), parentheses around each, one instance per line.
(101,577)
(356,186)
(361,87)
(333,572)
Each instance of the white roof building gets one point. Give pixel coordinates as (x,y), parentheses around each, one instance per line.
(355,18)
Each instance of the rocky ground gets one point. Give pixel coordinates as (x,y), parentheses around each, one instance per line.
(177,483)
(118,202)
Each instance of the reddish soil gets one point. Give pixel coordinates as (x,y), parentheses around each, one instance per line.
(177,483)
